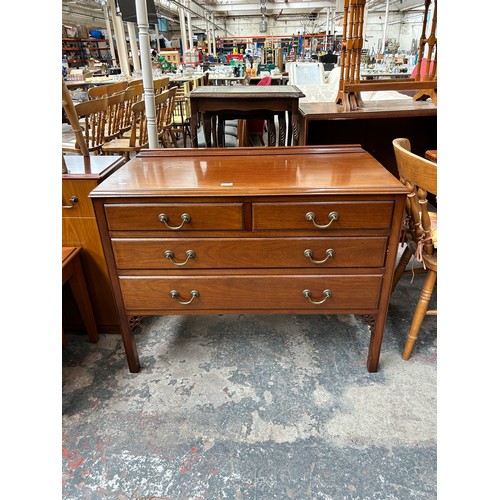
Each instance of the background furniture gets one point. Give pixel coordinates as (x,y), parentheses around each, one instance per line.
(79,229)
(72,273)
(373,127)
(419,176)
(243,102)
(90,125)
(283,230)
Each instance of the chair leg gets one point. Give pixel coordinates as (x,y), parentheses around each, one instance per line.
(420,312)
(400,268)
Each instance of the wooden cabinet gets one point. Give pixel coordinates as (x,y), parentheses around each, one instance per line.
(79,229)
(285,230)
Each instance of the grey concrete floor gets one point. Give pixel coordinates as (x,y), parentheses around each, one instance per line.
(253,407)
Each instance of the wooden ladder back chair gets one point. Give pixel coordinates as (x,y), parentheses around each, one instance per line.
(106,90)
(165,103)
(182,113)
(420,226)
(132,95)
(138,134)
(114,116)
(92,119)
(160,85)
(133,83)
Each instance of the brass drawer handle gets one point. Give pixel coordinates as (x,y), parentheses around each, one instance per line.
(73,200)
(309,254)
(333,216)
(184,218)
(170,256)
(326,293)
(175,295)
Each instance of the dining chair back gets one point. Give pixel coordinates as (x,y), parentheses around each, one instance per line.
(160,84)
(92,118)
(114,116)
(419,176)
(109,89)
(138,137)
(181,118)
(165,104)
(133,94)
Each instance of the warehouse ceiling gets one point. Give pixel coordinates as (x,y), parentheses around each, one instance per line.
(89,11)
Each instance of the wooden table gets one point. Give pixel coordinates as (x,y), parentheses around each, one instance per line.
(373,127)
(284,230)
(243,102)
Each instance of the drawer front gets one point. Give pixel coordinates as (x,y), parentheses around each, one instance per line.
(75,198)
(180,217)
(247,292)
(239,253)
(349,215)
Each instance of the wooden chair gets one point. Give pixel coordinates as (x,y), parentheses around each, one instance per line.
(160,85)
(181,117)
(420,225)
(114,116)
(92,121)
(133,83)
(132,95)
(72,273)
(165,104)
(138,134)
(106,90)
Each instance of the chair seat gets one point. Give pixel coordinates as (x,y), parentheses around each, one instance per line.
(118,145)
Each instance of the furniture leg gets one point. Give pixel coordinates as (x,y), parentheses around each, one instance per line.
(420,312)
(271,132)
(82,299)
(400,269)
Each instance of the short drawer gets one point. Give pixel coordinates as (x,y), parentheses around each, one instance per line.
(170,217)
(345,215)
(238,253)
(158,294)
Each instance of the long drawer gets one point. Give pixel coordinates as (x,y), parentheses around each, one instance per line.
(179,216)
(238,253)
(247,292)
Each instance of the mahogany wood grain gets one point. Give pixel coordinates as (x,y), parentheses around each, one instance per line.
(233,253)
(249,251)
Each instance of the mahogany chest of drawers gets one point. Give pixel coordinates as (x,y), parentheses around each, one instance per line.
(285,230)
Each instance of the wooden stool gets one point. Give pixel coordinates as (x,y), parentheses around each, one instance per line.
(72,271)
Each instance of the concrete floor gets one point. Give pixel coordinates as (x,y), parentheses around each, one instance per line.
(253,407)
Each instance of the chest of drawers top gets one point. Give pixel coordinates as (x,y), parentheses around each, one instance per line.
(250,172)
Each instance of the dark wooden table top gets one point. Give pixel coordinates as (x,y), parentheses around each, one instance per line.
(373,109)
(246,92)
